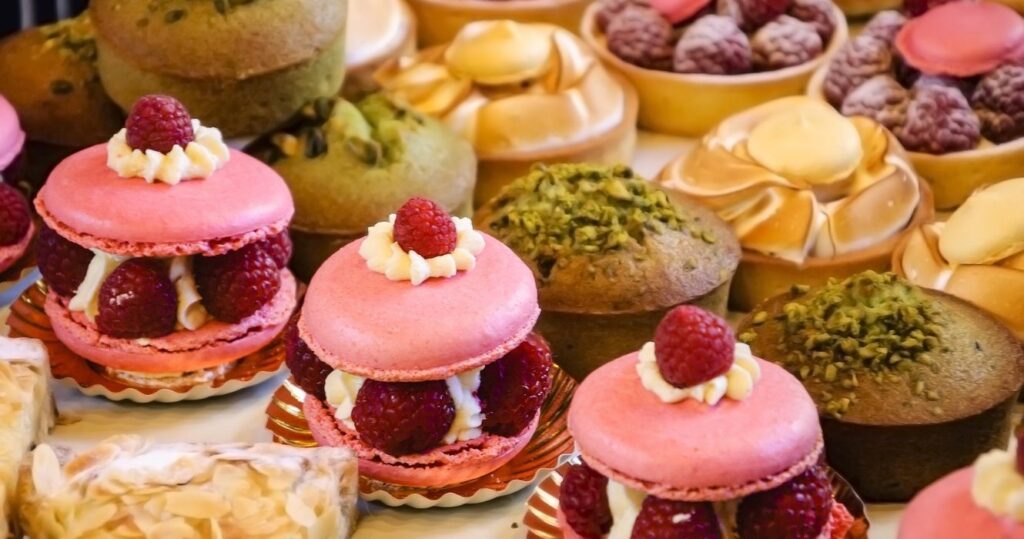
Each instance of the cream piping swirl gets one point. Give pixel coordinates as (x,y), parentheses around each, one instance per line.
(996,484)
(383,254)
(737,383)
(199,159)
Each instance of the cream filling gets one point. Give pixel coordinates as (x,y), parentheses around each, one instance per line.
(342,388)
(87,297)
(383,254)
(997,486)
(199,159)
(737,383)
(374,28)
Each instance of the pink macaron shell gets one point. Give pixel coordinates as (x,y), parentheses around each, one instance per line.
(88,203)
(945,510)
(962,39)
(358,321)
(446,465)
(677,11)
(213,344)
(689,450)
(12,137)
(9,254)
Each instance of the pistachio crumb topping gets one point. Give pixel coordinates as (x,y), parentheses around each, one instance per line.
(560,211)
(869,325)
(72,37)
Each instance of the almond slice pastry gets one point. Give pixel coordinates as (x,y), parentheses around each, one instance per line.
(126,487)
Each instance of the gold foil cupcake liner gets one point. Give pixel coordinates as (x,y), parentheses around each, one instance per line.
(541,519)
(288,425)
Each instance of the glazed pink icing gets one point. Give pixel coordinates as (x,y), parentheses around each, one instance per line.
(445,465)
(962,39)
(677,11)
(690,445)
(9,254)
(945,510)
(85,197)
(12,137)
(360,322)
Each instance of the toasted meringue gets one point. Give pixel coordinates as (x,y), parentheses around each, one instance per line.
(374,28)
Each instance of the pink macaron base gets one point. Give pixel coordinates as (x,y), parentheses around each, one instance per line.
(447,465)
(12,136)
(9,254)
(182,351)
(946,510)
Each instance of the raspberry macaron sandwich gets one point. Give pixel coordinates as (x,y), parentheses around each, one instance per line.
(163,253)
(693,436)
(414,348)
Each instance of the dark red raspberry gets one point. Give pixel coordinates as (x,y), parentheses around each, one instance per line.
(308,371)
(513,388)
(915,8)
(860,59)
(1020,452)
(642,37)
(785,42)
(752,14)
(939,120)
(713,45)
(14,215)
(798,509)
(423,226)
(609,9)
(62,263)
(670,519)
(279,248)
(882,99)
(693,346)
(236,284)
(821,14)
(137,300)
(583,499)
(884,25)
(403,418)
(999,102)
(158,122)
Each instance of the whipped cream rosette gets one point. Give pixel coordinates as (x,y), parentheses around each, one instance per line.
(520,93)
(809,193)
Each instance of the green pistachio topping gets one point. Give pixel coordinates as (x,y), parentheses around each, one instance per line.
(560,211)
(72,37)
(869,325)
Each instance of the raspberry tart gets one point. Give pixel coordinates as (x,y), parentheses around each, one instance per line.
(981,500)
(696,62)
(693,436)
(440,20)
(810,193)
(414,348)
(947,79)
(164,252)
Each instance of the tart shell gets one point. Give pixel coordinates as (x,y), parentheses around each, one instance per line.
(440,20)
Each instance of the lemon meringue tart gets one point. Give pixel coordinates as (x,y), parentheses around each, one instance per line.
(441,20)
(521,94)
(378,31)
(810,194)
(977,255)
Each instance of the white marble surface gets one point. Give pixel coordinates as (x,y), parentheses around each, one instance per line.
(240,418)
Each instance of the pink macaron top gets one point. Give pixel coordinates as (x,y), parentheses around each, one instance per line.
(677,11)
(89,203)
(12,137)
(689,445)
(946,510)
(962,39)
(358,321)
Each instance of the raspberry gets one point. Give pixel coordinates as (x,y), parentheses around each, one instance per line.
(279,248)
(308,371)
(798,509)
(14,215)
(1020,453)
(692,346)
(62,263)
(882,99)
(513,388)
(999,102)
(583,499)
(916,8)
(714,45)
(137,300)
(785,42)
(235,285)
(670,519)
(403,418)
(752,14)
(820,14)
(611,8)
(857,61)
(423,226)
(939,120)
(158,122)
(884,25)
(642,37)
